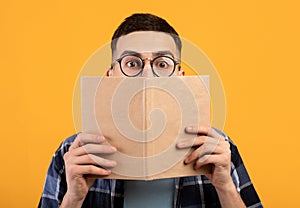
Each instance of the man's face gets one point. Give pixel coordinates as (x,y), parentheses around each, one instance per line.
(147,45)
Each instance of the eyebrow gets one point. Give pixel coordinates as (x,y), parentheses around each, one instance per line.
(157,53)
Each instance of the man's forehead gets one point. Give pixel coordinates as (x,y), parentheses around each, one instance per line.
(146,42)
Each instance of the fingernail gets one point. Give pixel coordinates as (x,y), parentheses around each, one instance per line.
(101,138)
(112,163)
(181,144)
(108,171)
(189,128)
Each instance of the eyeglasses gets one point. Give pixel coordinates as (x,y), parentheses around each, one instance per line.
(132,65)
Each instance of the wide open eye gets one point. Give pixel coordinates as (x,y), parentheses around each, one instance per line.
(131,63)
(163,62)
(163,65)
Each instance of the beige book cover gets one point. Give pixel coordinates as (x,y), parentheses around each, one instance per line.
(144,118)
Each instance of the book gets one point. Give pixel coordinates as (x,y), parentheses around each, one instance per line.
(144,118)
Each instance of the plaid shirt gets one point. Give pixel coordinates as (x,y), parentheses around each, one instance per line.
(190,192)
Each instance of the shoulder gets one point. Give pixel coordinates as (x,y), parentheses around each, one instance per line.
(55,185)
(65,145)
(68,141)
(233,147)
(227,138)
(57,161)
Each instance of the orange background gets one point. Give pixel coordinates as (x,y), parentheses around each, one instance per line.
(253,44)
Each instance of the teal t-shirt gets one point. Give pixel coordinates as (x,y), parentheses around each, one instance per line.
(146,194)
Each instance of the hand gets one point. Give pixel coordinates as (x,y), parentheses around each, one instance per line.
(211,148)
(82,160)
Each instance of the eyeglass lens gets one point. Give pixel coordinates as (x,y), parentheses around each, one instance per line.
(161,65)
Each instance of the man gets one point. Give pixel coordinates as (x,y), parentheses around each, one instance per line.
(146,45)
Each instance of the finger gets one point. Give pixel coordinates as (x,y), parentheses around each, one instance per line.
(209,146)
(100,161)
(203,151)
(202,131)
(94,149)
(94,160)
(187,143)
(87,170)
(203,161)
(213,133)
(84,138)
(217,160)
(197,141)
(197,129)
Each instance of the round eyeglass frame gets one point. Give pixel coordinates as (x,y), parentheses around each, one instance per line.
(119,60)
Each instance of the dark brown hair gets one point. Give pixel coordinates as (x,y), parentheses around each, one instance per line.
(144,22)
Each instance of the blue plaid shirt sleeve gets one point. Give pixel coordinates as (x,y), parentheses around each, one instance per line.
(241,178)
(55,185)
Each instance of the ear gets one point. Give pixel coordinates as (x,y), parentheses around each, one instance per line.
(109,72)
(181,72)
